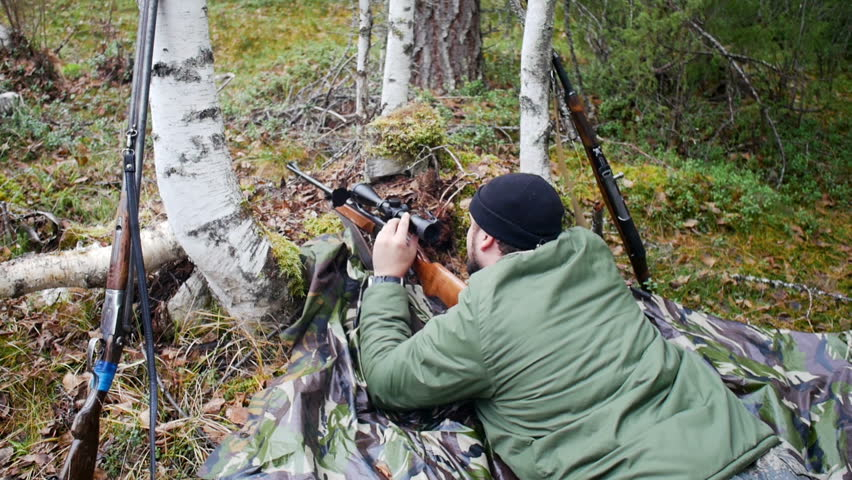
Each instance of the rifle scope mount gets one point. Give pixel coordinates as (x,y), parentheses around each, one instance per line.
(362,194)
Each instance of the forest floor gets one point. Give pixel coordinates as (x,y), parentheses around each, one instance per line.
(59,153)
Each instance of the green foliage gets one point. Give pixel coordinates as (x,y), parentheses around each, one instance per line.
(473,88)
(72,70)
(406,131)
(662,84)
(125,440)
(474,136)
(29,129)
(700,195)
(325,223)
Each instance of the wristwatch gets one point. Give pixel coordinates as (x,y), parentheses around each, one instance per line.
(374,280)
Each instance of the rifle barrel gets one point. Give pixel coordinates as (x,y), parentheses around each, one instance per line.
(313,181)
(604,178)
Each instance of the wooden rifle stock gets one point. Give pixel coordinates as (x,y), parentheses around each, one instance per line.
(435,279)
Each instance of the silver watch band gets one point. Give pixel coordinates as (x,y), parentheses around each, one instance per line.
(373,280)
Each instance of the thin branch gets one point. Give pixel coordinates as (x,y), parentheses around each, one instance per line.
(763,109)
(570,36)
(65,40)
(634,148)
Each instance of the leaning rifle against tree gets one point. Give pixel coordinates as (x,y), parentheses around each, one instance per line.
(352,205)
(604,177)
(125,261)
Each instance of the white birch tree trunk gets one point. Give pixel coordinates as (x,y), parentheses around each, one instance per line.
(86,268)
(197,184)
(365,27)
(399,54)
(535,87)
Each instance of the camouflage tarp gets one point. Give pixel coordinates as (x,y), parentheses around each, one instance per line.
(798,383)
(317,422)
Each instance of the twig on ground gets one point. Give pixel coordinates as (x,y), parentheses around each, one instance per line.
(808,314)
(332,113)
(453,156)
(65,40)
(450,198)
(226,79)
(795,286)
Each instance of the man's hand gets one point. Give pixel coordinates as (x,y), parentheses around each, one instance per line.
(395,248)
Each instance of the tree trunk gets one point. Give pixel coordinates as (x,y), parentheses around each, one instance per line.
(398,57)
(81,268)
(447,44)
(197,184)
(535,87)
(365,27)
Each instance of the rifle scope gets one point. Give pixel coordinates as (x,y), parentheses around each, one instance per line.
(426,230)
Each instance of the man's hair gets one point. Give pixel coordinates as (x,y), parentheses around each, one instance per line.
(504,247)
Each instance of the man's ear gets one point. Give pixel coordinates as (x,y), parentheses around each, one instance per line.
(487,241)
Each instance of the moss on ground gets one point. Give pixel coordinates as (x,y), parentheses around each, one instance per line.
(286,253)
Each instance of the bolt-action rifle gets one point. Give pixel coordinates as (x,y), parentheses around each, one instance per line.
(125,262)
(604,177)
(352,204)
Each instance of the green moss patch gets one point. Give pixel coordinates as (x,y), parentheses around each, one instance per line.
(289,262)
(407,131)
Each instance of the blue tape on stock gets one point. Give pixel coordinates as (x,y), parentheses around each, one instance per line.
(105,372)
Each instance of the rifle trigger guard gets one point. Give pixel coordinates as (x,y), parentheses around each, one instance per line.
(91,350)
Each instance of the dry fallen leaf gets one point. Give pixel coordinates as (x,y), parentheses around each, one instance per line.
(213,406)
(237,415)
(708,260)
(690,223)
(143,418)
(70,381)
(39,459)
(679,281)
(165,427)
(6,454)
(214,434)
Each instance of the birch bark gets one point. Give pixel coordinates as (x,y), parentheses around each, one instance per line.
(535,87)
(399,54)
(197,184)
(365,27)
(85,268)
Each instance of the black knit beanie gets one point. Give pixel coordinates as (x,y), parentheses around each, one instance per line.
(519,209)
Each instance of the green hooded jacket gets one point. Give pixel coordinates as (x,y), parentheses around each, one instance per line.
(568,377)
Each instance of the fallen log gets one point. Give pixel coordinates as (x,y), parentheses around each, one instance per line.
(85,268)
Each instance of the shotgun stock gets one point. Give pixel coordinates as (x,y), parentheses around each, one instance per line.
(115,319)
(435,279)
